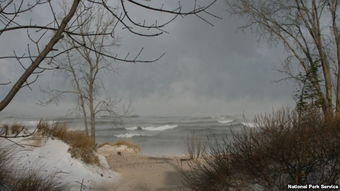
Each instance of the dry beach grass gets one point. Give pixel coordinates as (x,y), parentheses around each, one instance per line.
(81,145)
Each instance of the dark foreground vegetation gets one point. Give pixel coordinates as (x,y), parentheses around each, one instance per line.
(30,182)
(82,147)
(287,147)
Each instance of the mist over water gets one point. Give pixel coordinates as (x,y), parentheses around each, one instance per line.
(156,135)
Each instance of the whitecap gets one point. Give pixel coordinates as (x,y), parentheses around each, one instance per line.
(225,121)
(129,135)
(131,128)
(152,128)
(160,128)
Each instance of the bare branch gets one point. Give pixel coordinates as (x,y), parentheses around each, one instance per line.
(43,40)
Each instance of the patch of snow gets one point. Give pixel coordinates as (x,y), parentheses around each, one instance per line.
(102,161)
(54,158)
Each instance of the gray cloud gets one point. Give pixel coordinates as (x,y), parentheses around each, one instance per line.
(206,71)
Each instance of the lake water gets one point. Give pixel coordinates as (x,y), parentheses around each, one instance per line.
(156,135)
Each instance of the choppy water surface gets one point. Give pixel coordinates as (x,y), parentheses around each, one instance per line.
(157,136)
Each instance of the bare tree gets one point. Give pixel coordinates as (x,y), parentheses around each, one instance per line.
(309,29)
(43,37)
(84,68)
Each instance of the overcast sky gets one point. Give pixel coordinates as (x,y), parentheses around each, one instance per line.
(206,71)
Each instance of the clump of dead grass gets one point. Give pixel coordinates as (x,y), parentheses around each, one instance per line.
(11,179)
(43,128)
(33,182)
(17,128)
(81,145)
(13,129)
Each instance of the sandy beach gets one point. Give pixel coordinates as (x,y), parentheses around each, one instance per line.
(143,173)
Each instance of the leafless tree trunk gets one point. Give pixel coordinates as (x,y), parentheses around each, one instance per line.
(333,6)
(304,27)
(84,67)
(81,98)
(28,72)
(43,38)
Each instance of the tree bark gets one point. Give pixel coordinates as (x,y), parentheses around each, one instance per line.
(316,34)
(91,104)
(54,40)
(333,8)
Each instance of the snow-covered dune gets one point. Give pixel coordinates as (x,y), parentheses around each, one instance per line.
(53,157)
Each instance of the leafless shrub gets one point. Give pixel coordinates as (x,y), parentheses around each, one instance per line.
(213,172)
(287,148)
(195,146)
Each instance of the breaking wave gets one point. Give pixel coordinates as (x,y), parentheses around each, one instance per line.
(152,128)
(225,121)
(129,135)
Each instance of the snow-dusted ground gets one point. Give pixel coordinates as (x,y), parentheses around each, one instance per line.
(53,158)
